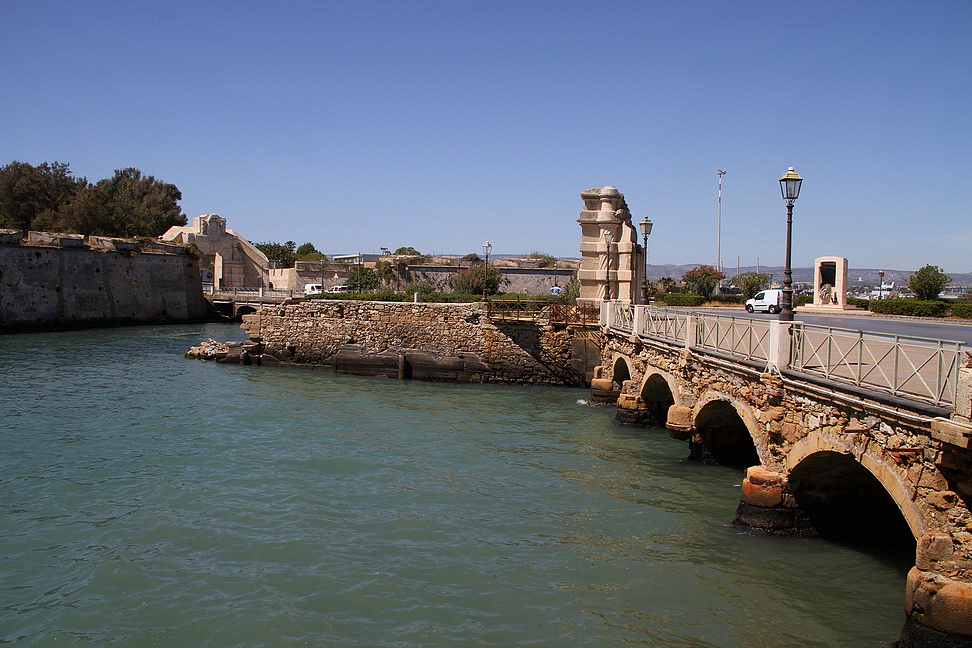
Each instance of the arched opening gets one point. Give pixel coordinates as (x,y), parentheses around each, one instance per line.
(244,310)
(658,397)
(620,373)
(722,437)
(848,504)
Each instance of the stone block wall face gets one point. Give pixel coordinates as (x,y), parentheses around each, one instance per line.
(50,287)
(789,424)
(612,262)
(315,332)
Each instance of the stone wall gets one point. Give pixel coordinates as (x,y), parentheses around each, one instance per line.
(71,281)
(453,342)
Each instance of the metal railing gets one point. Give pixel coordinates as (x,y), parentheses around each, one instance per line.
(666,324)
(622,317)
(915,367)
(907,366)
(743,337)
(541,310)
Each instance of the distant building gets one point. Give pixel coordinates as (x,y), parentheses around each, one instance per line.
(229,260)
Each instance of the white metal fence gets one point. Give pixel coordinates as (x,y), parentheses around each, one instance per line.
(918,367)
(913,367)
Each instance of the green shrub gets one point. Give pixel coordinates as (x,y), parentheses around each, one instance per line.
(679,299)
(962,309)
(860,303)
(728,299)
(912,307)
(802,300)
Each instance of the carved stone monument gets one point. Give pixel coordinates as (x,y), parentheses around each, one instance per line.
(612,262)
(830,284)
(236,263)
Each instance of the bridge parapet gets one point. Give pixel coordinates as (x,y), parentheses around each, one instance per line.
(883,427)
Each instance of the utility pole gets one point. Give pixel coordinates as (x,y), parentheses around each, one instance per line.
(719,227)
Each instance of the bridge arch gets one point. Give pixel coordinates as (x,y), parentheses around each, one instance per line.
(245,309)
(659,391)
(726,432)
(620,370)
(842,485)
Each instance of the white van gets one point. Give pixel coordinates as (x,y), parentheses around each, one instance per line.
(313,289)
(340,289)
(770,301)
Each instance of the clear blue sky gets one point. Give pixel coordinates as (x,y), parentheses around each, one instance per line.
(439,125)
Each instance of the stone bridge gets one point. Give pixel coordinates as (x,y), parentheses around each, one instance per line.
(237,302)
(860,448)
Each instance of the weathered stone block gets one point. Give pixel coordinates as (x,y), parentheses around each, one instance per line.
(762,487)
(933,548)
(939,602)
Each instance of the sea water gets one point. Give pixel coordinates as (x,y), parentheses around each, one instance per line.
(151,500)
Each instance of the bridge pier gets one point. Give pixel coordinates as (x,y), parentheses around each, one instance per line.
(765,507)
(938,609)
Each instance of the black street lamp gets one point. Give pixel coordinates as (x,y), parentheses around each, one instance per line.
(645,231)
(790,187)
(881,286)
(486,248)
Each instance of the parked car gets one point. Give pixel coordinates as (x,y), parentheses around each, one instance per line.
(313,289)
(770,301)
(340,289)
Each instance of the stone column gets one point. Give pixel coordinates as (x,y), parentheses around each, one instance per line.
(608,248)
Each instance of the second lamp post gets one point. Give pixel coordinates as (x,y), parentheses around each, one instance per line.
(486,248)
(790,187)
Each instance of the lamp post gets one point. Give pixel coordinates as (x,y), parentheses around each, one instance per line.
(486,248)
(645,226)
(790,188)
(881,287)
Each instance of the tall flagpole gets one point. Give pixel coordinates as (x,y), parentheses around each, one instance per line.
(719,230)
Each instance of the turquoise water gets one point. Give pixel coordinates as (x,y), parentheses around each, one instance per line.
(151,500)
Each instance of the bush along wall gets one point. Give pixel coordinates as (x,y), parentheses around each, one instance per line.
(962,309)
(912,307)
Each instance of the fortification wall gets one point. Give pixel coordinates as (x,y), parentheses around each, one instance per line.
(95,283)
(454,342)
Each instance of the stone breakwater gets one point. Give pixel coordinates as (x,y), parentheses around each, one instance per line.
(449,342)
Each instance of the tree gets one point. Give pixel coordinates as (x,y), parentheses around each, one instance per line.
(665,284)
(30,197)
(49,197)
(470,280)
(363,279)
(702,280)
(408,251)
(285,253)
(751,282)
(136,205)
(928,282)
(307,252)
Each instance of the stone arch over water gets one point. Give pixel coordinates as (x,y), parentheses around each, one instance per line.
(818,458)
(620,370)
(725,432)
(659,392)
(845,501)
(244,310)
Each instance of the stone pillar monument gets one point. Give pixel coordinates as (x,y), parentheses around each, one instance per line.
(611,258)
(829,284)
